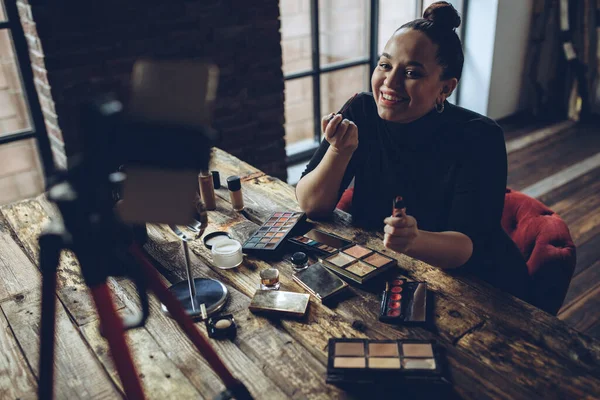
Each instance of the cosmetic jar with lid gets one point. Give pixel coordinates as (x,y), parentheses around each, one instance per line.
(300,261)
(227,253)
(269,279)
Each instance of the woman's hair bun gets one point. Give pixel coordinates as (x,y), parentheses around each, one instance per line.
(442,14)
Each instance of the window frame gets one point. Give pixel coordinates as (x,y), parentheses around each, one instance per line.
(315,72)
(38,126)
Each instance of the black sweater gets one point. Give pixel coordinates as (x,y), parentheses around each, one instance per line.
(450,168)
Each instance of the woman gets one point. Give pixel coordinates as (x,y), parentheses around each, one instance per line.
(448,163)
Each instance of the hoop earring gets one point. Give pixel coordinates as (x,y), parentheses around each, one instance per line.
(439,108)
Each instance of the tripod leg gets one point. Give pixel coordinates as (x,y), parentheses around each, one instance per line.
(51,245)
(234,386)
(114,332)
(190,277)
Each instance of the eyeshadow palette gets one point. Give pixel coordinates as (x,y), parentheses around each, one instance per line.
(372,361)
(320,243)
(358,263)
(404,302)
(272,235)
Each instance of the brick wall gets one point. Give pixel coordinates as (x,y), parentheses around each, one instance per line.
(78,51)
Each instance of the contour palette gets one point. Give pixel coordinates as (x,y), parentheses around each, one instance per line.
(358,263)
(272,234)
(368,361)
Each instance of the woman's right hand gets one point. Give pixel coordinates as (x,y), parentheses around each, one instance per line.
(341,133)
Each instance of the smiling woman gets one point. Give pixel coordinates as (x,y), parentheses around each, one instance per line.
(405,139)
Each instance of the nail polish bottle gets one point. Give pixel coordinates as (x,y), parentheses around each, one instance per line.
(207,190)
(235,192)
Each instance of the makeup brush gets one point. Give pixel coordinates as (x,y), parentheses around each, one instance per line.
(399,208)
(344,107)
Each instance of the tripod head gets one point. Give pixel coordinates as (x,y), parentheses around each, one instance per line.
(133,169)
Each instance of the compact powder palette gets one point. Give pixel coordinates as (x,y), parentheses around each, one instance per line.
(271,236)
(371,361)
(358,263)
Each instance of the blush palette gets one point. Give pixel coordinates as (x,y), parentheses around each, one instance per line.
(271,236)
(358,263)
(372,361)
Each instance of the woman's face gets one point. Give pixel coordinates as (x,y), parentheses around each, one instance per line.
(406,82)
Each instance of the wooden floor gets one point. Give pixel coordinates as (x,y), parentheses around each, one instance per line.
(559,163)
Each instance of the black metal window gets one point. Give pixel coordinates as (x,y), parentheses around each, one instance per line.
(15,53)
(316,69)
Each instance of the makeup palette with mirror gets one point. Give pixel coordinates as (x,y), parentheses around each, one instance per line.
(272,235)
(404,302)
(372,361)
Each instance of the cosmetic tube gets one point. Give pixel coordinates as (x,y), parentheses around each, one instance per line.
(207,190)
(235,192)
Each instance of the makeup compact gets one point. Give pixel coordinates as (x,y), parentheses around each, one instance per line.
(272,235)
(404,302)
(219,327)
(319,281)
(321,243)
(280,302)
(384,361)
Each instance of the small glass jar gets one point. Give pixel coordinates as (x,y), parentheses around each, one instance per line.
(300,261)
(269,279)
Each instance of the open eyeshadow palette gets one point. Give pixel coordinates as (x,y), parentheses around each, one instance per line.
(344,257)
(372,361)
(320,243)
(404,302)
(272,235)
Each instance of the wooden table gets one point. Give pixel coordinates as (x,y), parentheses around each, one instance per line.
(497,346)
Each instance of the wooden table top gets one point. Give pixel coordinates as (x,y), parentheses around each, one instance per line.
(496,345)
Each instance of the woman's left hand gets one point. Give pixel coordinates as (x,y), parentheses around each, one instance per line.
(400,232)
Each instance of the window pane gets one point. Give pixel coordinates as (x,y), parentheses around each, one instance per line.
(21,174)
(343,30)
(299,115)
(14,114)
(295,35)
(338,86)
(2,12)
(392,15)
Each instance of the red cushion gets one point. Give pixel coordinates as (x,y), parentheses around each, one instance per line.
(543,239)
(545,242)
(345,202)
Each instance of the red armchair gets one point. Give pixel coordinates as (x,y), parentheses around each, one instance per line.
(543,239)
